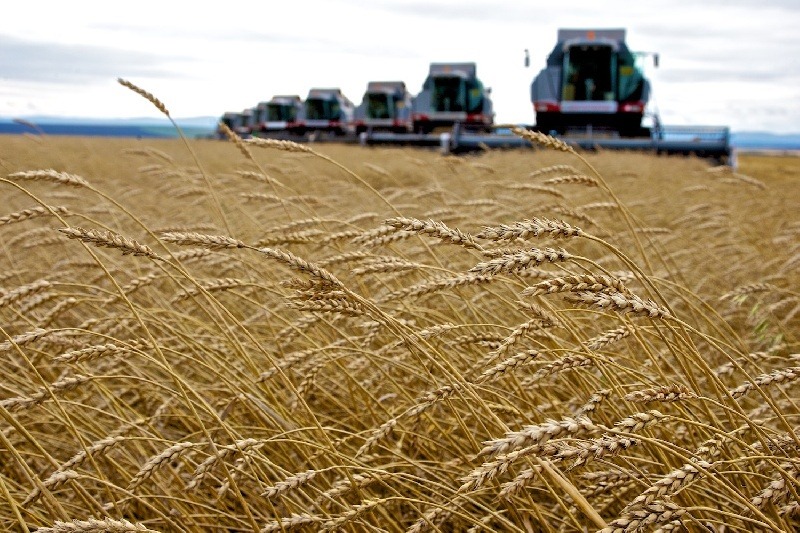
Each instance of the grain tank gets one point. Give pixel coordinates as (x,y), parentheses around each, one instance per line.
(453,93)
(591,80)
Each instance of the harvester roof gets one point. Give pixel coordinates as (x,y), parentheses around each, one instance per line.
(464,70)
(318,92)
(386,87)
(568,38)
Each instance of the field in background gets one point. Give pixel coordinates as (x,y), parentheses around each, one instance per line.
(246,338)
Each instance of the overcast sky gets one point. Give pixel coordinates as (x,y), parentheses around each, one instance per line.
(723,62)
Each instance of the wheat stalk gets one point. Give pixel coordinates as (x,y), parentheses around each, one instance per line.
(520,261)
(534,227)
(62,178)
(34,212)
(93,525)
(155,462)
(433,229)
(542,139)
(144,94)
(108,239)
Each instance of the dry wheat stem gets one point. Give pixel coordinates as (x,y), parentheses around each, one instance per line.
(34,212)
(610,337)
(576,283)
(655,512)
(212,242)
(62,385)
(353,514)
(560,168)
(292,522)
(785,375)
(56,480)
(620,302)
(286,146)
(514,487)
(539,434)
(155,462)
(516,262)
(666,393)
(146,95)
(93,525)
(433,229)
(17,294)
(593,402)
(62,178)
(24,338)
(671,483)
(222,452)
(296,263)
(290,483)
(214,285)
(345,306)
(534,227)
(607,445)
(778,488)
(542,139)
(502,462)
(429,287)
(109,239)
(507,365)
(344,486)
(568,362)
(236,140)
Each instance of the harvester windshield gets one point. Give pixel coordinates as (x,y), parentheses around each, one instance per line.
(449,94)
(454,93)
(590,73)
(281,113)
(322,109)
(380,105)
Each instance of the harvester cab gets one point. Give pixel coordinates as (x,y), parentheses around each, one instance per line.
(233,120)
(328,110)
(247,123)
(281,114)
(591,81)
(386,106)
(452,93)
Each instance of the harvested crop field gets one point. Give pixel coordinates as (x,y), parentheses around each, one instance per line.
(212,336)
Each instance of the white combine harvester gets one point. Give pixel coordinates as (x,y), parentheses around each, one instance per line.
(386,106)
(283,113)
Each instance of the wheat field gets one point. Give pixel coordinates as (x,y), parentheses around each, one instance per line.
(250,336)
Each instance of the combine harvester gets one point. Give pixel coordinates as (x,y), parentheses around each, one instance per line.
(240,122)
(386,106)
(453,94)
(592,94)
(282,114)
(233,120)
(327,111)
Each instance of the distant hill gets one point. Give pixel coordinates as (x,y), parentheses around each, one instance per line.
(116,127)
(205,122)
